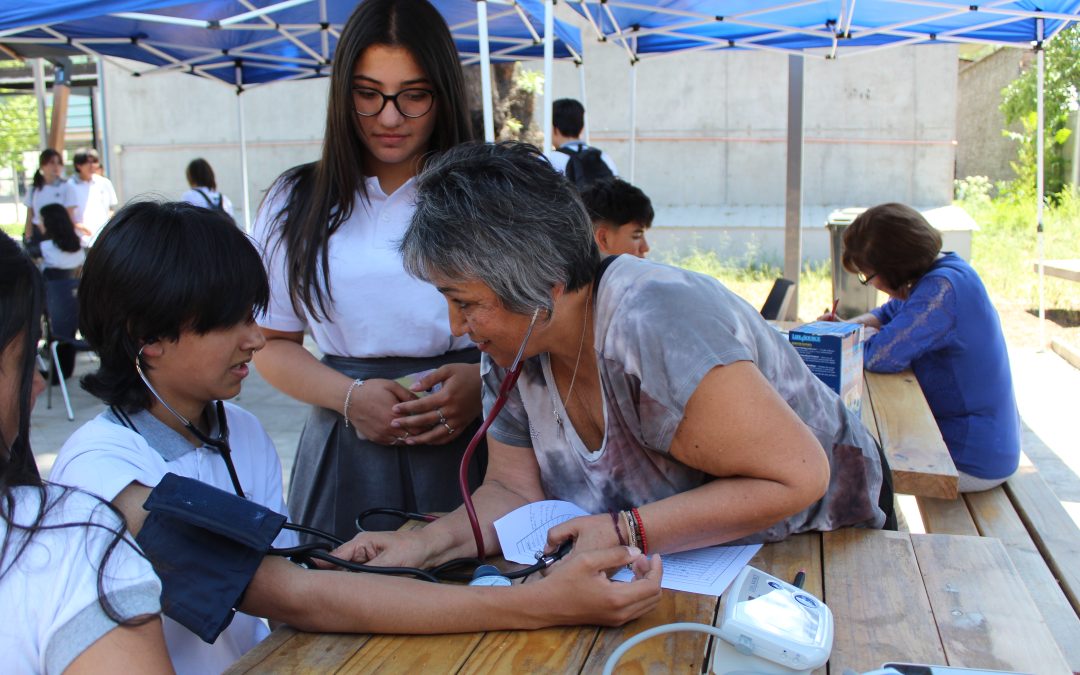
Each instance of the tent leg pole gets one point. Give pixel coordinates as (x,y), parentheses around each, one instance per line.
(633,117)
(1040,184)
(485,71)
(793,191)
(39,92)
(243,161)
(584,101)
(549,58)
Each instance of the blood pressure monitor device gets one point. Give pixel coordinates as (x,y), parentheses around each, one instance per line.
(770,626)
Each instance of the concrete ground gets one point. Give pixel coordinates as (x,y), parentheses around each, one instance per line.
(1047,390)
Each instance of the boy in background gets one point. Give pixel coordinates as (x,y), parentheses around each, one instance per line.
(620,215)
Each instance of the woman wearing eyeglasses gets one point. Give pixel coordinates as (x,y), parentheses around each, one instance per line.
(329,233)
(89,197)
(941,324)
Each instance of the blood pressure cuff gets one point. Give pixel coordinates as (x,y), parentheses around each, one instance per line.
(205,544)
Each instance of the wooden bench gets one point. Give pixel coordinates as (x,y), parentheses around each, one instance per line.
(1040,537)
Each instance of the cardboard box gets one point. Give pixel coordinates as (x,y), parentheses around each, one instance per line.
(833,351)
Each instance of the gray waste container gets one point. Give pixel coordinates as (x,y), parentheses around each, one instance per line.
(854,298)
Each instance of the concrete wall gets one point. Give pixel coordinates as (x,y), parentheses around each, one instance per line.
(711,143)
(981,149)
(156,124)
(711,136)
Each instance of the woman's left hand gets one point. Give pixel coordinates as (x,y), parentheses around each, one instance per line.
(440,417)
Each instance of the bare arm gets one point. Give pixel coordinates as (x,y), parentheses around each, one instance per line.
(867,319)
(512,480)
(767,463)
(577,591)
(135,649)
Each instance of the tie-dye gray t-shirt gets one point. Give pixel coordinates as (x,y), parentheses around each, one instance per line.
(658,331)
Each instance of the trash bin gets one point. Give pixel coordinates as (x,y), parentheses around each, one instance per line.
(854,298)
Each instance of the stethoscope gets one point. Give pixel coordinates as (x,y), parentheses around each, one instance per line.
(307,553)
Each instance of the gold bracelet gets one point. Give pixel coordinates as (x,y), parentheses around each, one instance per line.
(631,529)
(348,397)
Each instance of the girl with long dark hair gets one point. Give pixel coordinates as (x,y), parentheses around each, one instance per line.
(76,592)
(47,188)
(329,231)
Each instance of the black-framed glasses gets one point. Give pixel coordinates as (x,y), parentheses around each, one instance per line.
(409,102)
(864,280)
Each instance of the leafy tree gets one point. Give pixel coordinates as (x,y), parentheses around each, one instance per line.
(1019,102)
(18,128)
(513,93)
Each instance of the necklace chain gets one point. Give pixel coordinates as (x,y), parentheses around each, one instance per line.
(577,361)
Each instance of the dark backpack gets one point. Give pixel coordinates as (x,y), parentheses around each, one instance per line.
(218,206)
(586,166)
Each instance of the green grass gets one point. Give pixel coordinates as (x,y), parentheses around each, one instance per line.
(13,230)
(1003,250)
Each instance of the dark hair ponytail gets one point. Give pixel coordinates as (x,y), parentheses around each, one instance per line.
(59,228)
(44,158)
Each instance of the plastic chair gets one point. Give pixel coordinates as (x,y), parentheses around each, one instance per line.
(779,297)
(61,327)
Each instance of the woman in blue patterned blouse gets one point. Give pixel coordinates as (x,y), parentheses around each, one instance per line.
(940,323)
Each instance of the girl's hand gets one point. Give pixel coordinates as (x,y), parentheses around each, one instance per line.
(440,417)
(370,410)
(578,590)
(405,548)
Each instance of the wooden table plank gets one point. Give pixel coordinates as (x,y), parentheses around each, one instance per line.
(874,588)
(920,461)
(300,652)
(670,653)
(1000,630)
(996,517)
(548,651)
(264,651)
(1054,532)
(413,654)
(946,516)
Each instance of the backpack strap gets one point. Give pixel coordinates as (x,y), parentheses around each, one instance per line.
(209,202)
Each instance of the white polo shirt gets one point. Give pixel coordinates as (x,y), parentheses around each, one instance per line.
(51,193)
(378,309)
(104,457)
(194,196)
(52,612)
(93,200)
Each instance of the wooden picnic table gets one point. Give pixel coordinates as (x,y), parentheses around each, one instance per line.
(924,598)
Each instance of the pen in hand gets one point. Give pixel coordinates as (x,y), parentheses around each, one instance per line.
(835,304)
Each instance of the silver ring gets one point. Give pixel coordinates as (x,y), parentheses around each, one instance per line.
(449,429)
(442,419)
(405,436)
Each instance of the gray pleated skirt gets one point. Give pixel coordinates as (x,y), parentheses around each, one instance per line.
(336,475)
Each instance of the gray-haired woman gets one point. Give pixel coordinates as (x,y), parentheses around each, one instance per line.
(650,396)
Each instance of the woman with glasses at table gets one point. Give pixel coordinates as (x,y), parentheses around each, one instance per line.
(940,323)
(650,396)
(328,231)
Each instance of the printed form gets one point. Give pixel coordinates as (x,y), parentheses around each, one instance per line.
(708,571)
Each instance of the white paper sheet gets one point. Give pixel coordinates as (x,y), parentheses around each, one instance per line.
(709,571)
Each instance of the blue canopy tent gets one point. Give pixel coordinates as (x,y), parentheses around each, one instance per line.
(247,43)
(825,29)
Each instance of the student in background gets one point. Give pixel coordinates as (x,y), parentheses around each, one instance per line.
(77,594)
(89,197)
(204,192)
(47,188)
(940,323)
(620,214)
(581,163)
(168,301)
(62,256)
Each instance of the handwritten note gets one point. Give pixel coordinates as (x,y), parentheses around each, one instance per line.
(709,571)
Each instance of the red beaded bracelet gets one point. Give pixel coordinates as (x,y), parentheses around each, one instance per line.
(618,532)
(641,530)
